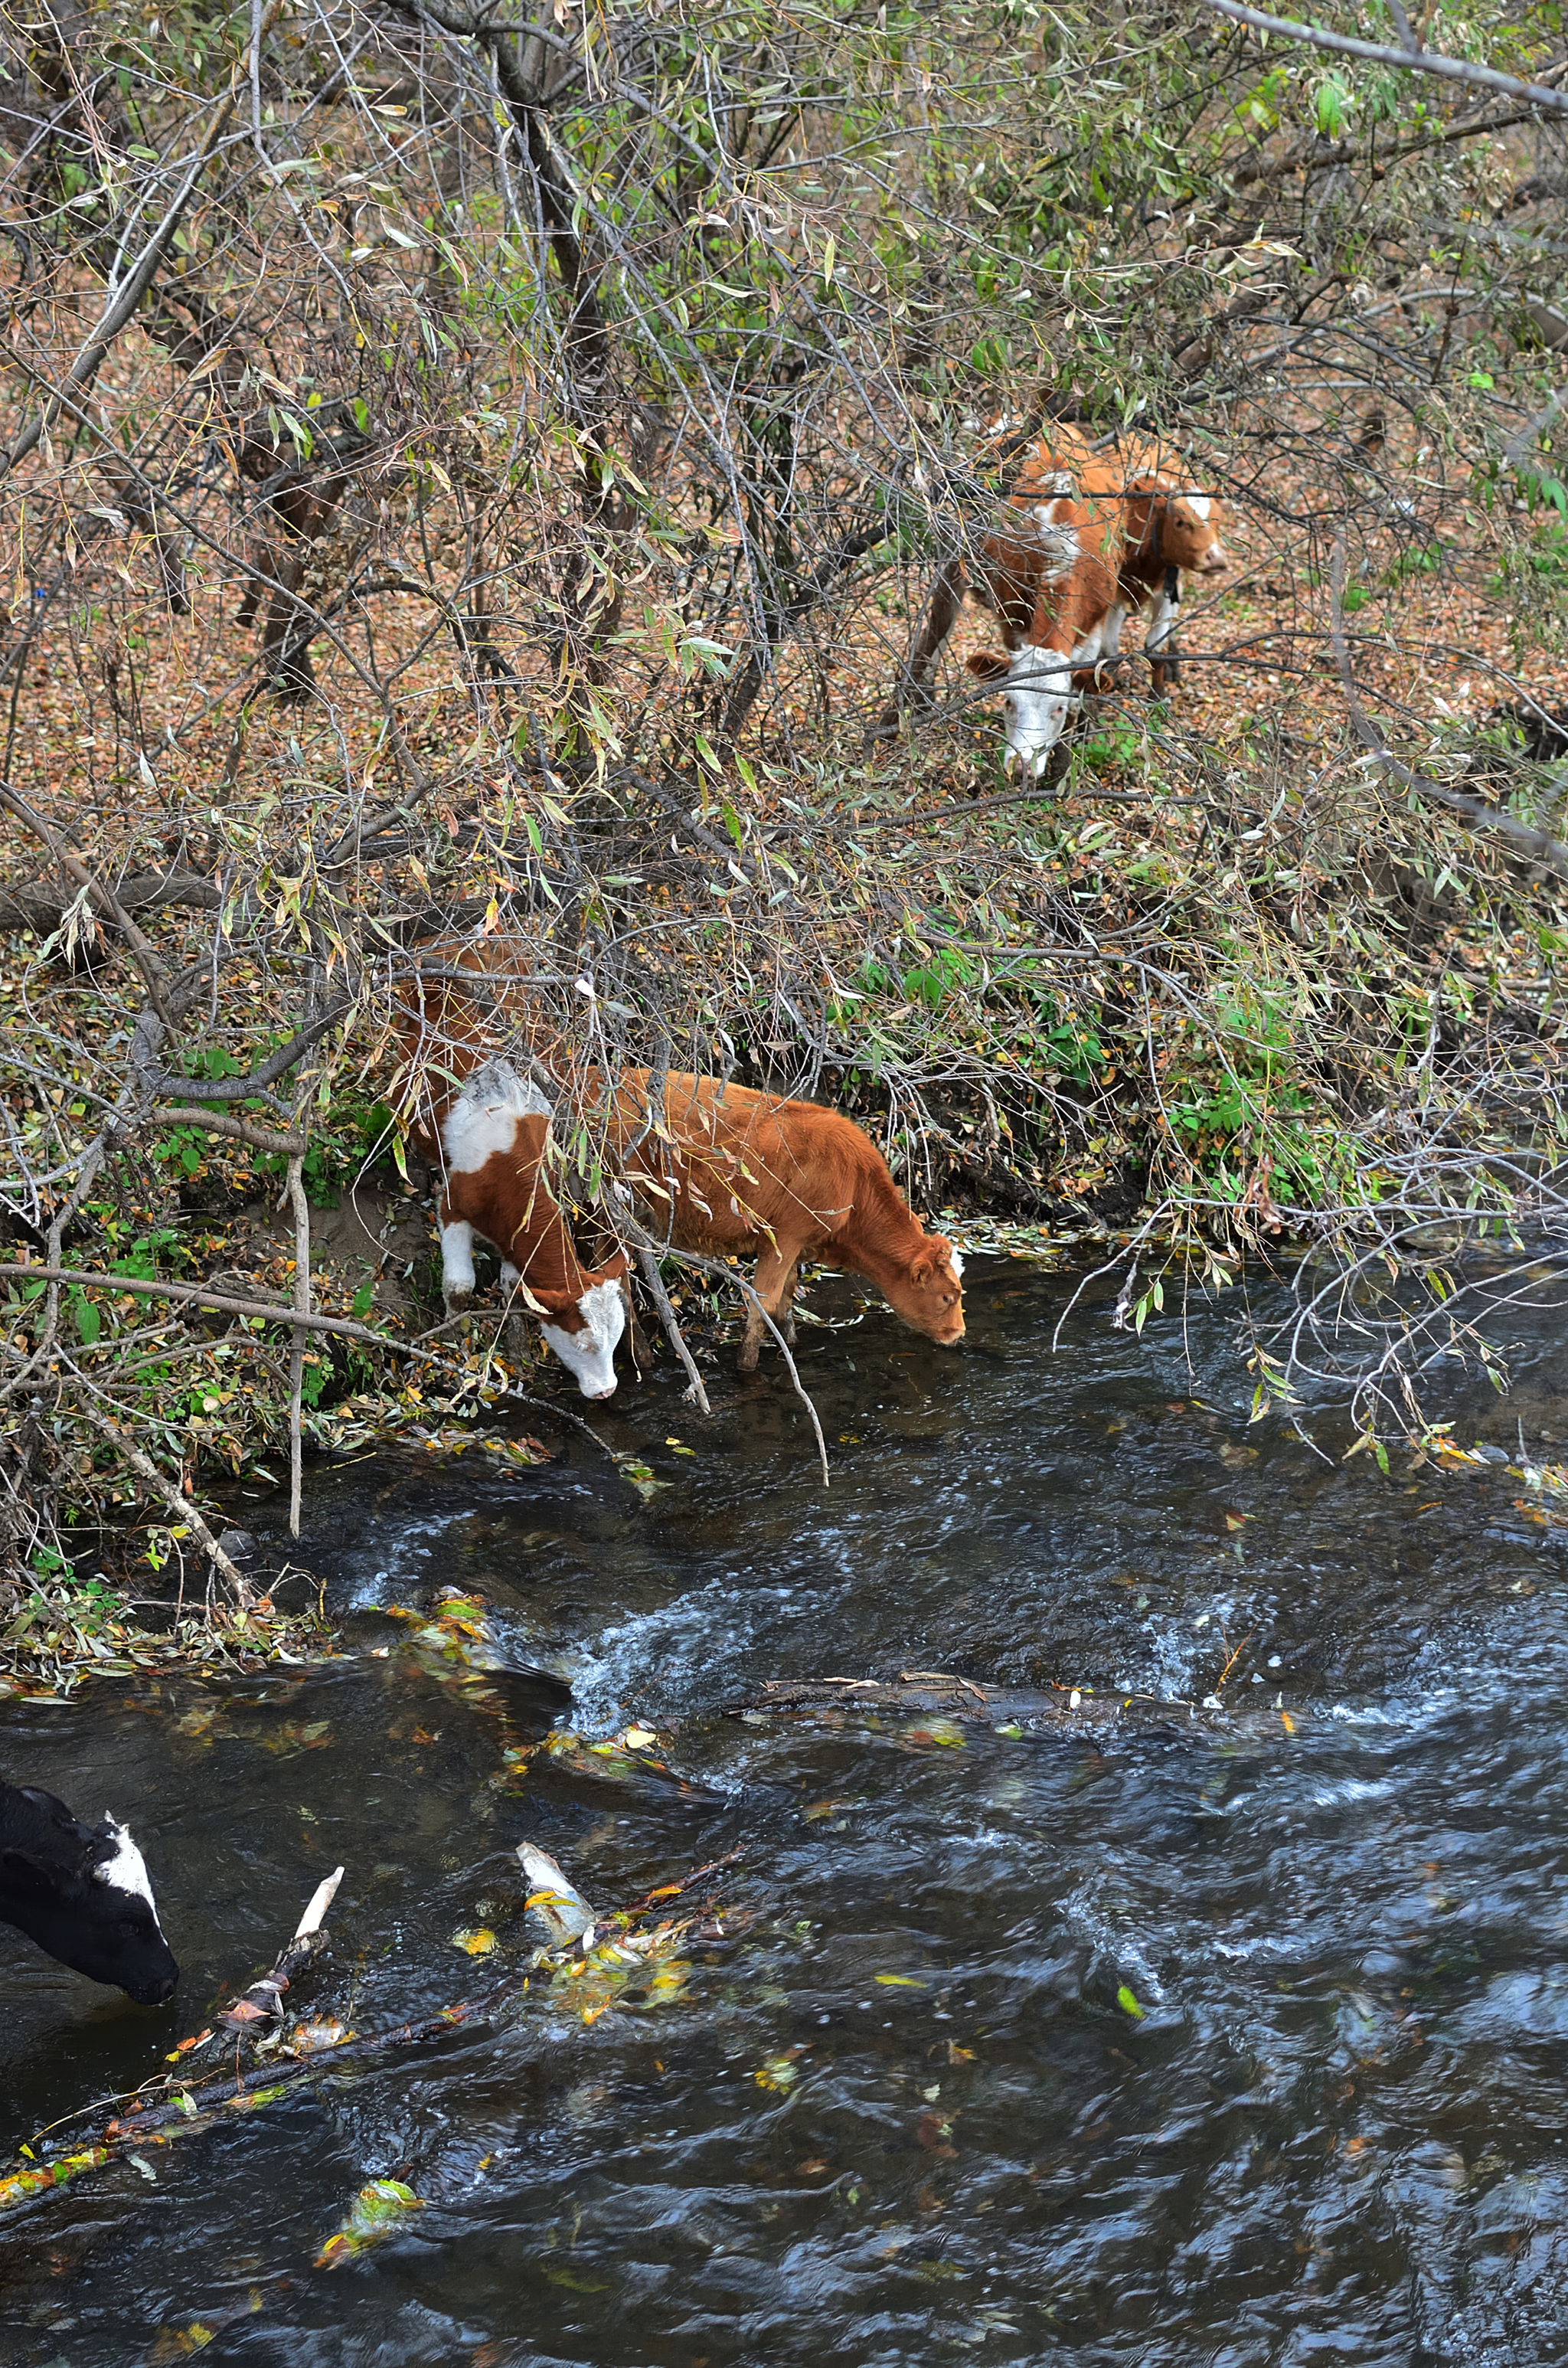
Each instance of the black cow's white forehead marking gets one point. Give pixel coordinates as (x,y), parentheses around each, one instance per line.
(127,1870)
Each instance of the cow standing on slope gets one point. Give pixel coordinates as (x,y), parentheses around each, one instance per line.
(1084,540)
(1048,570)
(488,1129)
(1168,531)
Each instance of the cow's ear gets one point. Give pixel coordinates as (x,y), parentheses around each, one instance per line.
(988,665)
(920,1273)
(25,1876)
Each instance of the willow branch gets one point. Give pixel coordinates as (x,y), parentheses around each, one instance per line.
(1379,53)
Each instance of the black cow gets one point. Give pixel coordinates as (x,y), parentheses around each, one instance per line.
(81,1893)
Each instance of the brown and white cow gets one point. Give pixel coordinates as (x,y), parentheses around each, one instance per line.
(488,1128)
(726,1169)
(718,1167)
(1048,569)
(1168,529)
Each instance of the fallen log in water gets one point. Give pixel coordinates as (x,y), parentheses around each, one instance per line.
(936,1693)
(588,1964)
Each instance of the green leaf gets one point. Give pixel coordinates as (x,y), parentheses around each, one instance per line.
(1129,2004)
(89,1320)
(1333,98)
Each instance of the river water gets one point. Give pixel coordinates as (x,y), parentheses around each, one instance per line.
(1166,2033)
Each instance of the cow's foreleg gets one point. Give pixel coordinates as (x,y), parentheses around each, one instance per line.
(772,1282)
(1085,660)
(786,1301)
(457,1258)
(1110,644)
(642,1354)
(1160,648)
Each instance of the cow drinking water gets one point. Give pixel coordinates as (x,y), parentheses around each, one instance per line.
(494,1136)
(82,1894)
(720,1167)
(488,1128)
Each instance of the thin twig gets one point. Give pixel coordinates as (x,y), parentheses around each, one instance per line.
(181,1506)
(295,1194)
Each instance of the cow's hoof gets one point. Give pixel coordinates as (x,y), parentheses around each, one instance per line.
(459,1302)
(746,1361)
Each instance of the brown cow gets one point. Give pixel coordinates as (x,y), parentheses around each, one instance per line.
(1168,529)
(727,1169)
(1048,569)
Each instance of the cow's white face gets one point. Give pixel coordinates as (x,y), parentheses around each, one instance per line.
(1035,698)
(589,1355)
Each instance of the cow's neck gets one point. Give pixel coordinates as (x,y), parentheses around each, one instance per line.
(548,1262)
(884,1237)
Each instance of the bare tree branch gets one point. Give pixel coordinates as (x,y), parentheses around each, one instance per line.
(1379,53)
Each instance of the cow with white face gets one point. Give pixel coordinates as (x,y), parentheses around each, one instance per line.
(494,1135)
(1088,535)
(1047,570)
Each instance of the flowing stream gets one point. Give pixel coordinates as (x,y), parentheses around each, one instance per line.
(1160,2034)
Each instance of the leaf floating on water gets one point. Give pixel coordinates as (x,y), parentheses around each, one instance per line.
(776,2072)
(179,2343)
(901,1982)
(1129,2004)
(374,2214)
(643,1478)
(477,1943)
(574,2280)
(639,1738)
(456,1628)
(323,2030)
(939,1731)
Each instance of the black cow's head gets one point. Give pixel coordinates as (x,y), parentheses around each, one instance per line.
(81,1893)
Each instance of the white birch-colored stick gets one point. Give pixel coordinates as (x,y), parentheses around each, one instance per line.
(322,1898)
